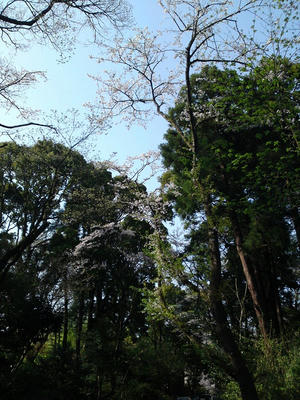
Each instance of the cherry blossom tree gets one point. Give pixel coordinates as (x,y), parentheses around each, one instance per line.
(56,23)
(149,68)
(152,68)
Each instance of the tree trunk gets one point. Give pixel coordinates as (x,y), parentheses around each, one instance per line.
(261,285)
(248,274)
(14,254)
(66,316)
(99,379)
(224,334)
(90,309)
(79,327)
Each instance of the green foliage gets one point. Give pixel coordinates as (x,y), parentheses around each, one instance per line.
(232,391)
(33,185)
(54,377)
(248,129)
(26,319)
(234,169)
(153,371)
(246,162)
(278,369)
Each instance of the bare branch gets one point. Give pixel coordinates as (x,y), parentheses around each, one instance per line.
(13,82)
(56,21)
(27,124)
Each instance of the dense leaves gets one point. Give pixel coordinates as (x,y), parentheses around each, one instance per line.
(238,181)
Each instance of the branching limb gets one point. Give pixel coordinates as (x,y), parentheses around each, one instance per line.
(27,124)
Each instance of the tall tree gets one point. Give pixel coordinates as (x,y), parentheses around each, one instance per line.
(241,149)
(199,31)
(112,269)
(34,183)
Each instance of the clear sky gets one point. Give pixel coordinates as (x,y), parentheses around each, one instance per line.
(68,86)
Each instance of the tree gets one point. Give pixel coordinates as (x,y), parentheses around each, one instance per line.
(204,33)
(237,159)
(72,196)
(111,269)
(34,182)
(199,31)
(247,191)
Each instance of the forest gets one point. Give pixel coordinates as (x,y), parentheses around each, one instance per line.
(112,290)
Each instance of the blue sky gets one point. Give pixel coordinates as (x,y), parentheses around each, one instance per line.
(68,86)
